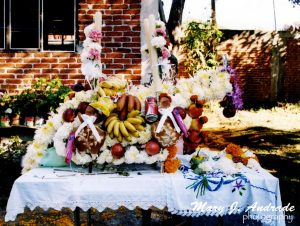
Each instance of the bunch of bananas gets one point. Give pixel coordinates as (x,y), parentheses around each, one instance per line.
(127,128)
(112,87)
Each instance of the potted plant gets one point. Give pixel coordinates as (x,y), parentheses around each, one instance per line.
(4,110)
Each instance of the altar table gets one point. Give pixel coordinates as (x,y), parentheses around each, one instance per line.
(182,193)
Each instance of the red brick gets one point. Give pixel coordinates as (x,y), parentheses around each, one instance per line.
(41,65)
(14,71)
(23,65)
(32,60)
(49,60)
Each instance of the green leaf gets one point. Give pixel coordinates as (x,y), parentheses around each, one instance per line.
(233,190)
(241,193)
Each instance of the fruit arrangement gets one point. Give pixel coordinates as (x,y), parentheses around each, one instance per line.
(112,87)
(195,135)
(126,121)
(124,128)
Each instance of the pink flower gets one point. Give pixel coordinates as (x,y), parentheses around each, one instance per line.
(94,54)
(95,35)
(161,31)
(165,53)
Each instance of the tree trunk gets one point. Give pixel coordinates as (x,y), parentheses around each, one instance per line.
(213,12)
(175,18)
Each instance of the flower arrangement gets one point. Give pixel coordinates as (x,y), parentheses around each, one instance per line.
(115,124)
(230,161)
(90,57)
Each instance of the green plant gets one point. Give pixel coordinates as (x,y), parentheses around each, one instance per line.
(45,96)
(199,44)
(51,93)
(12,149)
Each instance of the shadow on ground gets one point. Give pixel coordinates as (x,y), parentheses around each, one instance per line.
(278,152)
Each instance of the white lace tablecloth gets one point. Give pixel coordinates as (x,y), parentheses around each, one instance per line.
(43,188)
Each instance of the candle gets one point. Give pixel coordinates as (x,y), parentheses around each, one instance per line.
(98,26)
(149,26)
(98,21)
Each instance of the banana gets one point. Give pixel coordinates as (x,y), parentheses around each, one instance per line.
(141,118)
(106,84)
(101,92)
(139,127)
(111,135)
(133,113)
(135,121)
(120,138)
(111,125)
(128,138)
(117,129)
(135,134)
(123,129)
(129,126)
(109,119)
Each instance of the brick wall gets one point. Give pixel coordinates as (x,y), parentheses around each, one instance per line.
(250,55)
(120,54)
(292,70)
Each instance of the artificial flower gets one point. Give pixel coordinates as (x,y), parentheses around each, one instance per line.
(171,166)
(158,42)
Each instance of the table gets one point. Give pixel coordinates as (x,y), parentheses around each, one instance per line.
(43,188)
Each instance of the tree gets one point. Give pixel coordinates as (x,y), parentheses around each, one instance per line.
(175,18)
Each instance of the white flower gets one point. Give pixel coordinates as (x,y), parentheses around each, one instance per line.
(109,158)
(158,42)
(145,135)
(83,158)
(162,156)
(160,24)
(180,101)
(253,164)
(206,166)
(119,161)
(226,165)
(101,159)
(151,159)
(131,155)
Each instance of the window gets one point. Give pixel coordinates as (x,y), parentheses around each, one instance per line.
(47,25)
(2,25)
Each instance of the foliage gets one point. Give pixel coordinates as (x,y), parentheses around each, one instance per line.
(45,96)
(199,42)
(12,149)
(4,103)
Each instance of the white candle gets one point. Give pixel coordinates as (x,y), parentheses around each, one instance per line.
(98,21)
(98,26)
(149,26)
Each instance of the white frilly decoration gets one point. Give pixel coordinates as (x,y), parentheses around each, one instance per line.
(166,112)
(88,121)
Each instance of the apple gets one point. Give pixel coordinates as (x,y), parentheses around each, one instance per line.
(194,98)
(229,112)
(181,111)
(82,107)
(203,119)
(117,151)
(69,115)
(152,147)
(194,111)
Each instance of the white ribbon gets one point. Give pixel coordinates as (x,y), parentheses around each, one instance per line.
(88,121)
(166,112)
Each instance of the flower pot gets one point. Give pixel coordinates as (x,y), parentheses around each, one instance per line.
(4,121)
(29,121)
(38,121)
(15,120)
